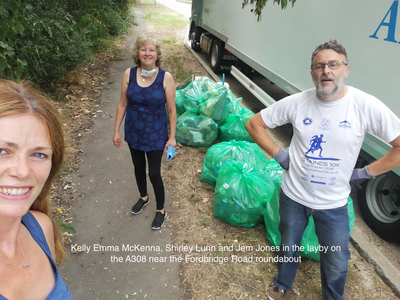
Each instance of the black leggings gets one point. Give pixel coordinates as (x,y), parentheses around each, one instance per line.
(154,161)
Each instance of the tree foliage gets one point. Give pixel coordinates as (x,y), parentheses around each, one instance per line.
(42,39)
(259,5)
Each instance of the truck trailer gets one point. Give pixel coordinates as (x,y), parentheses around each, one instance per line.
(279,47)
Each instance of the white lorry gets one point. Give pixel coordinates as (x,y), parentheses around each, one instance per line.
(279,47)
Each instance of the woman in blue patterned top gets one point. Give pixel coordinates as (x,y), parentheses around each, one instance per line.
(31,154)
(145,91)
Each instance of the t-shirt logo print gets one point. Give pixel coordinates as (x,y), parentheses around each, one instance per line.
(325,124)
(315,143)
(345,124)
(307,121)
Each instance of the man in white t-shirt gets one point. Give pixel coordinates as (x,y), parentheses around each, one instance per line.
(329,123)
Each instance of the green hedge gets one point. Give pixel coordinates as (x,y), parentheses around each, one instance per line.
(42,39)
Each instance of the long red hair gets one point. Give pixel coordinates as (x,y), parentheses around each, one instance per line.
(22,98)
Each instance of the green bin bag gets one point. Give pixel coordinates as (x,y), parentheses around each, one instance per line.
(197,92)
(241,193)
(180,109)
(218,154)
(275,172)
(196,130)
(235,102)
(217,105)
(234,126)
(205,96)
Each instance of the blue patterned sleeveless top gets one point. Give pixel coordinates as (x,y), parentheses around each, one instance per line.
(146,116)
(60,290)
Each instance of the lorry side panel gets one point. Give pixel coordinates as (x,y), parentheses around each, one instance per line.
(280,46)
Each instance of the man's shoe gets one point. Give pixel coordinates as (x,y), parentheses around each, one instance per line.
(275,293)
(138,207)
(158,220)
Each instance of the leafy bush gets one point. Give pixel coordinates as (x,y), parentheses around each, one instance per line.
(12,24)
(51,45)
(41,40)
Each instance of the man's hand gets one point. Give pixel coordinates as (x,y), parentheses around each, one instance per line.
(358,177)
(282,157)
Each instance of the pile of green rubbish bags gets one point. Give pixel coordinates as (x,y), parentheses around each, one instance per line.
(207,111)
(247,184)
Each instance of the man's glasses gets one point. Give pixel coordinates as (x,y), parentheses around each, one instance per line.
(333,65)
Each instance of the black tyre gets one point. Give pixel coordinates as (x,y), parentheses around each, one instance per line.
(193,43)
(215,56)
(379,203)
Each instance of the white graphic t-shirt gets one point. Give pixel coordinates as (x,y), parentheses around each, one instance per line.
(327,138)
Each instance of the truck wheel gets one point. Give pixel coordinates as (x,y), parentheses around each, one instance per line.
(379,203)
(193,44)
(215,56)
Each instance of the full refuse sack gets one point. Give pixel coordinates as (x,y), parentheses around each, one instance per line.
(220,153)
(180,109)
(241,193)
(234,126)
(275,172)
(205,96)
(235,106)
(196,130)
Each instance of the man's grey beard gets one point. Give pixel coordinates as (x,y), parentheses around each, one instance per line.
(337,86)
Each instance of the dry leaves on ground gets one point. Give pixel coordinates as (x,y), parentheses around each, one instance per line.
(77,99)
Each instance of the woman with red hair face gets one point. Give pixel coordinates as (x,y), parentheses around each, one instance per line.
(31,154)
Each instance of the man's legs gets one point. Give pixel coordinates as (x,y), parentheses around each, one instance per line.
(293,222)
(333,231)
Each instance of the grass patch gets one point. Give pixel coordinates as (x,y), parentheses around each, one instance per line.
(177,63)
(193,197)
(257,234)
(169,41)
(168,23)
(156,15)
(206,186)
(205,221)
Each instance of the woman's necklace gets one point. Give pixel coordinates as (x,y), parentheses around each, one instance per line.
(25,265)
(144,78)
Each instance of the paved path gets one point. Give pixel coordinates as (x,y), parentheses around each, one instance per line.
(182,7)
(105,227)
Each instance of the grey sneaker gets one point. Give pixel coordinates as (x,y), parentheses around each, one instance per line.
(138,207)
(158,220)
(275,293)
